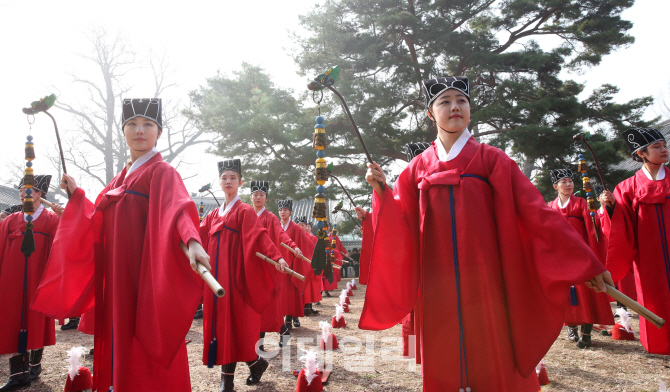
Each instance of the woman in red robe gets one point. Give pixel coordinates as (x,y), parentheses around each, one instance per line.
(19,278)
(584,307)
(293,289)
(467,241)
(272,318)
(640,221)
(122,255)
(231,324)
(312,292)
(337,275)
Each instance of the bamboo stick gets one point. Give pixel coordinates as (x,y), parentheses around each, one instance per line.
(286,270)
(631,304)
(205,275)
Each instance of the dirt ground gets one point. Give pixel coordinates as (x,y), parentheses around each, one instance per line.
(372,361)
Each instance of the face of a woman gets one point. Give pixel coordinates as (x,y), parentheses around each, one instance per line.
(259,198)
(565,186)
(284,213)
(230,181)
(451,110)
(141,134)
(656,153)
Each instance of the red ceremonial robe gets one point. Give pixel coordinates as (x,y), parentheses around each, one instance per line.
(292,288)
(129,265)
(471,246)
(234,320)
(312,293)
(627,284)
(15,271)
(592,307)
(337,274)
(272,317)
(638,238)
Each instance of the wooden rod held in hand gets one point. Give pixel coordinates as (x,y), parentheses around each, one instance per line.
(205,274)
(286,270)
(634,305)
(47,203)
(295,252)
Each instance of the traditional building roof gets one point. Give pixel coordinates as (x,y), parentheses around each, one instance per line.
(9,196)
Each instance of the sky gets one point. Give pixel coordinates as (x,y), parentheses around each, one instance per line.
(41,42)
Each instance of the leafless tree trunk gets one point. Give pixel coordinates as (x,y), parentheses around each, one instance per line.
(98,121)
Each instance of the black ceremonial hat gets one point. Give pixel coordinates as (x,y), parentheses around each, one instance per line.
(302,219)
(263,186)
(230,164)
(12,209)
(432,88)
(288,204)
(151,108)
(639,138)
(414,149)
(41,182)
(558,174)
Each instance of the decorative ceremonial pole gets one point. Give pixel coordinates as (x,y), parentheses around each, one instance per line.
(338,208)
(589,194)
(326,80)
(43,105)
(584,137)
(320,260)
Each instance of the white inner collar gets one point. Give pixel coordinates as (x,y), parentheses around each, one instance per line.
(442,154)
(223,211)
(561,206)
(659,176)
(260,212)
(36,214)
(142,160)
(288,222)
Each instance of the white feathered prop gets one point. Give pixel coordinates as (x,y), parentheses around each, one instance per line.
(309,359)
(74,361)
(348,286)
(624,319)
(539,366)
(343,297)
(338,312)
(662,387)
(325,330)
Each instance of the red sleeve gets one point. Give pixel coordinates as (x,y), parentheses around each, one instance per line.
(393,283)
(623,248)
(4,232)
(67,286)
(159,302)
(538,268)
(366,249)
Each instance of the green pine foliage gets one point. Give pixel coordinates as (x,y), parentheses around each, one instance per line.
(513,51)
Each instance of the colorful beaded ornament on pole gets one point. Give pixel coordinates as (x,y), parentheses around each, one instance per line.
(589,193)
(320,260)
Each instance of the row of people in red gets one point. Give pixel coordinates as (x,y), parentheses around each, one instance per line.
(118,262)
